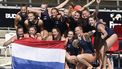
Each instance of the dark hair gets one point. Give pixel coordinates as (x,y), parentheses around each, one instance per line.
(72,4)
(59,35)
(81,28)
(17,31)
(33,28)
(86,9)
(57,29)
(94,17)
(35,14)
(66,35)
(79,12)
(24,5)
(19,27)
(55,9)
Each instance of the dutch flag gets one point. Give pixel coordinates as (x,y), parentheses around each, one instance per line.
(30,53)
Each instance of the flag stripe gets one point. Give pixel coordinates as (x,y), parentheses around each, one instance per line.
(41,44)
(38,54)
(19,63)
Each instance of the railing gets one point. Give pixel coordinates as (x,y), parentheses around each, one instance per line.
(29,3)
(20,3)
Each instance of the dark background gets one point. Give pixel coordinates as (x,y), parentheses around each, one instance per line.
(9,22)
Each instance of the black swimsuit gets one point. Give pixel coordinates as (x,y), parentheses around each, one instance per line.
(21,22)
(86,46)
(47,21)
(72,50)
(31,23)
(98,41)
(108,30)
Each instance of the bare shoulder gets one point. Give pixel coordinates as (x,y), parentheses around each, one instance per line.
(17,17)
(26,22)
(40,22)
(63,39)
(26,35)
(101,26)
(50,38)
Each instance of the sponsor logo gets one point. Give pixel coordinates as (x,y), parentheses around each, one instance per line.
(116,20)
(10,15)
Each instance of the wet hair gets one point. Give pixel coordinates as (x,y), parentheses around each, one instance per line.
(79,12)
(86,9)
(66,35)
(33,28)
(17,31)
(80,27)
(19,27)
(58,30)
(35,14)
(59,35)
(94,17)
(55,9)
(24,5)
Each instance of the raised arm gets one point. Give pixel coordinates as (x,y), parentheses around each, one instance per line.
(35,10)
(62,4)
(16,21)
(11,40)
(88,4)
(95,13)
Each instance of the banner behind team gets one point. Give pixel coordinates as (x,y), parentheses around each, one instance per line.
(7,16)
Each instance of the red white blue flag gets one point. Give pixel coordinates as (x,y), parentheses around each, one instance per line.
(30,53)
